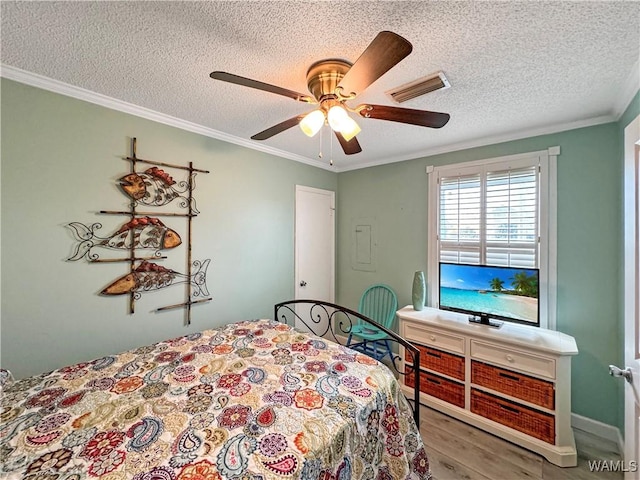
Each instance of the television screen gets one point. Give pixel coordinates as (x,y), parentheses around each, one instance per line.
(489,292)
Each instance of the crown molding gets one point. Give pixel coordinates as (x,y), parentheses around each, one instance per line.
(484,141)
(55,86)
(46,83)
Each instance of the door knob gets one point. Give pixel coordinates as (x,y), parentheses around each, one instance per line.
(617,372)
(303,283)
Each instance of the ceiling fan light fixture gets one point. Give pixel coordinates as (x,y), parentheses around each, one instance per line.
(351,130)
(334,81)
(340,121)
(312,123)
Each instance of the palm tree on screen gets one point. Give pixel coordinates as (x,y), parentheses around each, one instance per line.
(524,284)
(496,284)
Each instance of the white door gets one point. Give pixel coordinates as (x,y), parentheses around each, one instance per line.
(631,302)
(314,244)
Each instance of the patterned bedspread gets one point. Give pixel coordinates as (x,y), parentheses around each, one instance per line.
(252,400)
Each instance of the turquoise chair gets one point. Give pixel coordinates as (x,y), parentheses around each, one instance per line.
(380,303)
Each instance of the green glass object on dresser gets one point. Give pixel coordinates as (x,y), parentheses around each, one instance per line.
(419,291)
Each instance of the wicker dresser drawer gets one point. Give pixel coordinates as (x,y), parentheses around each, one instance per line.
(426,336)
(514,384)
(439,361)
(526,420)
(446,390)
(513,381)
(512,359)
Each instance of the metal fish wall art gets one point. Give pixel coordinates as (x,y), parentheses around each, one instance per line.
(155,187)
(141,232)
(150,276)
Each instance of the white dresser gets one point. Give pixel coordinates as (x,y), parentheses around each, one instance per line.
(513,381)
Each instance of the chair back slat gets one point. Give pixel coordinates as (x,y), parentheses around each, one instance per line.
(380,303)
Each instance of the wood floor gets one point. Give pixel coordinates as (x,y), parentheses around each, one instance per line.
(458,451)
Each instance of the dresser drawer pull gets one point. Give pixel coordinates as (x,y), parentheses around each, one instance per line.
(432,338)
(510,377)
(433,354)
(510,359)
(433,380)
(510,409)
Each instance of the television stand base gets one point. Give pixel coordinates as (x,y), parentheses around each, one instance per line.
(521,370)
(485,321)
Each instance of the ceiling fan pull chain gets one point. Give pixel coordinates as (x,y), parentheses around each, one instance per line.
(331,149)
(321,136)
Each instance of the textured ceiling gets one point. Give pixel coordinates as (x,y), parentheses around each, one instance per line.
(514,67)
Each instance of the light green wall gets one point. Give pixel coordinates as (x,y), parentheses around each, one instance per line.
(60,161)
(60,158)
(589,240)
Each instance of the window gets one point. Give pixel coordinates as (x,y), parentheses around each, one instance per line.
(498,211)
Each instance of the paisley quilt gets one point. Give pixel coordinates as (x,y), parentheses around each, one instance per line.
(251,400)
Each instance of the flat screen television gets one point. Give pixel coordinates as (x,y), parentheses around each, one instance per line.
(489,293)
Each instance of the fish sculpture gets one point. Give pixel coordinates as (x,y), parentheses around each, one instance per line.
(155,187)
(140,232)
(151,276)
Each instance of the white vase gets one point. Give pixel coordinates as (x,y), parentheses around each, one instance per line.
(419,291)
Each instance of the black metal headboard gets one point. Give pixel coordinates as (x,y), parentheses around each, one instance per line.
(328,319)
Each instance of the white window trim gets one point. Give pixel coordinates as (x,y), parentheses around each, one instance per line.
(548,160)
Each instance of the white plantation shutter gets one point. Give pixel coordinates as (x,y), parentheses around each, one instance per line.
(511,219)
(491,216)
(496,211)
(460,219)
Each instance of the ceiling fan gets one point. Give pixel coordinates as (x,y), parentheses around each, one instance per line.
(333,82)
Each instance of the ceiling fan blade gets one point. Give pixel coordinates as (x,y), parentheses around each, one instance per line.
(247,82)
(384,52)
(349,147)
(422,118)
(279,128)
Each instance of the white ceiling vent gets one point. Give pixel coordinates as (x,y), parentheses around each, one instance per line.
(430,83)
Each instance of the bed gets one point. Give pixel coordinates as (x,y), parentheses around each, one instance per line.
(258,399)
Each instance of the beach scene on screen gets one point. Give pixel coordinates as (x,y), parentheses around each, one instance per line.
(504,292)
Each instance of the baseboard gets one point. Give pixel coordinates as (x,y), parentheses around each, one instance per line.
(599,429)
